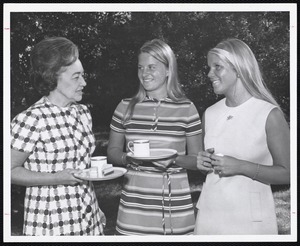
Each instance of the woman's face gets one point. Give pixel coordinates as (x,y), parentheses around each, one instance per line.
(152,75)
(221,74)
(70,84)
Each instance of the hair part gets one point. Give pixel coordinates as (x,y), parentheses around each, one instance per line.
(48,59)
(163,53)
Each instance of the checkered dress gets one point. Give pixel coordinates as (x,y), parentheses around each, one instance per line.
(57,138)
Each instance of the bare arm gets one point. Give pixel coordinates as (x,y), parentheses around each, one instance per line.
(278,140)
(25,177)
(203,158)
(189,161)
(115,149)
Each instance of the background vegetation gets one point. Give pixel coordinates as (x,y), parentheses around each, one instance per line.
(108,44)
(109,41)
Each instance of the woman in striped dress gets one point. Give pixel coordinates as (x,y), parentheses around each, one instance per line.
(156,196)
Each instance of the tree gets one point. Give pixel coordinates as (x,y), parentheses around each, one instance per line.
(109,41)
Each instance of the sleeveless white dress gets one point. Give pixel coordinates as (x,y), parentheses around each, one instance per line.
(237,205)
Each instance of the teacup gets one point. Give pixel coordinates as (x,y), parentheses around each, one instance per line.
(141,148)
(98,161)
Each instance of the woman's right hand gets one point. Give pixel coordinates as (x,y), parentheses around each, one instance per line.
(204,161)
(66,177)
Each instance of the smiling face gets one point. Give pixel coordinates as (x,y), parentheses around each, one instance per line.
(222,75)
(152,75)
(70,84)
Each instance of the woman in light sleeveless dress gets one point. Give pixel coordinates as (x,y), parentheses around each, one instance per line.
(246,139)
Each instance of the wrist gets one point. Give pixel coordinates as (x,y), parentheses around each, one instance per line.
(248,169)
(255,176)
(242,169)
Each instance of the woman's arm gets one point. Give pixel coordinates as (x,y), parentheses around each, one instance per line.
(278,140)
(194,145)
(25,177)
(115,149)
(203,158)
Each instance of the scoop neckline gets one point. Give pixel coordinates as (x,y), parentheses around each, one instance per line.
(238,106)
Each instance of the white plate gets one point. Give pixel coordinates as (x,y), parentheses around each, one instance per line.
(85,174)
(155,154)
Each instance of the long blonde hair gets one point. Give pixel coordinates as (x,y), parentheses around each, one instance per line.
(163,53)
(240,56)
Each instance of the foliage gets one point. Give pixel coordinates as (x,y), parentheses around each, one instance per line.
(109,41)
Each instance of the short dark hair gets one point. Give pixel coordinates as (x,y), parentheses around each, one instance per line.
(47,58)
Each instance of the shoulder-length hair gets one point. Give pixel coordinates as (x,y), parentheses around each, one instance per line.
(163,53)
(48,59)
(238,54)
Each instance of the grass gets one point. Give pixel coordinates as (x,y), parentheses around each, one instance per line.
(282,198)
(108,194)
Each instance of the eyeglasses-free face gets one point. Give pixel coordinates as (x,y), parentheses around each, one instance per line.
(152,75)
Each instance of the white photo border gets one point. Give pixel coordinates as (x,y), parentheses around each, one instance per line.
(147,7)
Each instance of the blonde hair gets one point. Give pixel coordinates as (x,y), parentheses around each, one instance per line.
(238,54)
(163,53)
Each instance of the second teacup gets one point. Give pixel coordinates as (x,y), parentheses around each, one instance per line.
(98,161)
(141,148)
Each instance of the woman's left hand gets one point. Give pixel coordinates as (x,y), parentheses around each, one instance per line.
(225,166)
(164,163)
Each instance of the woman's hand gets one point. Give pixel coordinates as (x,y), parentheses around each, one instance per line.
(204,161)
(133,161)
(67,177)
(225,165)
(165,163)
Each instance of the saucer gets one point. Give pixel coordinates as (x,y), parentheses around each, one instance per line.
(155,154)
(85,174)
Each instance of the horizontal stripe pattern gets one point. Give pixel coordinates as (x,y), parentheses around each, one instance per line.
(140,209)
(147,205)
(175,115)
(175,122)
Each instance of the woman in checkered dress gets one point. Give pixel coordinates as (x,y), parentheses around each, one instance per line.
(50,142)
(156,195)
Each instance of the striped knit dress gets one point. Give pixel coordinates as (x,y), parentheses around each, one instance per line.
(155,201)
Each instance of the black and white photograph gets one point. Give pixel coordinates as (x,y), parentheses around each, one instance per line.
(150,122)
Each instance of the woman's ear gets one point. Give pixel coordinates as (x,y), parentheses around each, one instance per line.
(237,74)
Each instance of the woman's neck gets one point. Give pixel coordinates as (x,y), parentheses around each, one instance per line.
(237,97)
(58,100)
(158,96)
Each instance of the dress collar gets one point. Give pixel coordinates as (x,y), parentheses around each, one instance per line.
(148,98)
(50,104)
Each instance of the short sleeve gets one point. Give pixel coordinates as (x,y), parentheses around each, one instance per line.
(24,131)
(194,123)
(117,118)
